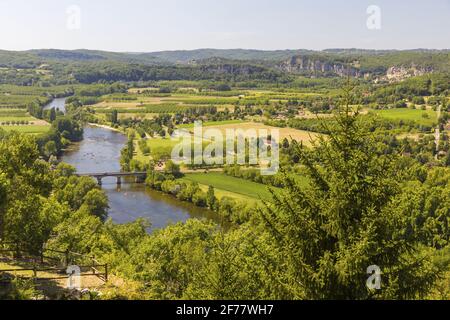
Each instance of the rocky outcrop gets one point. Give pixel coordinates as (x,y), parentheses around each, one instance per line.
(399,73)
(314,66)
(327,66)
(318,66)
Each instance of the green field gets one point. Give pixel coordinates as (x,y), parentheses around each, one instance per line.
(11,112)
(219,193)
(158,148)
(30,129)
(221,181)
(16,118)
(13,119)
(424,117)
(12,115)
(161,148)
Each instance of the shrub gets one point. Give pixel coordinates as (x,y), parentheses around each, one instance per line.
(199,199)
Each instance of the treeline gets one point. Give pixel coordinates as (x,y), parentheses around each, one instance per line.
(35,200)
(254,175)
(64,130)
(113,72)
(376,123)
(91,94)
(428,85)
(422,149)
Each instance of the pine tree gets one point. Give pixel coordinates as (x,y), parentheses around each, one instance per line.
(52,116)
(325,236)
(114,116)
(211,198)
(3,198)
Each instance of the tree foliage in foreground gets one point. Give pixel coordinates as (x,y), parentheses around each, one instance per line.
(34,199)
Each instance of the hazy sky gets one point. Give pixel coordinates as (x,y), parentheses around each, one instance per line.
(149,25)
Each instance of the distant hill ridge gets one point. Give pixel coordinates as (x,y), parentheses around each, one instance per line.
(183,56)
(329,62)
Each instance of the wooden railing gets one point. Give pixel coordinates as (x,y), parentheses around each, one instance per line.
(93,271)
(59,265)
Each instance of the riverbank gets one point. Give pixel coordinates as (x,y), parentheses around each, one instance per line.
(104,126)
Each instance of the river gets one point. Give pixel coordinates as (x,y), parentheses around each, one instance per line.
(57,103)
(100,152)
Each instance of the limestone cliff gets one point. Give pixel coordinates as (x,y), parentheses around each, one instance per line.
(318,66)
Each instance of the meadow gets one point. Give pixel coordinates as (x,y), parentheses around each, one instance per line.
(29,129)
(10,118)
(159,148)
(423,117)
(221,181)
(16,119)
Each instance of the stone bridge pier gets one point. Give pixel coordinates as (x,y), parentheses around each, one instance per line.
(139,177)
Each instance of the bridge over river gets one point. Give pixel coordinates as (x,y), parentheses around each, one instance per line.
(98,155)
(138,176)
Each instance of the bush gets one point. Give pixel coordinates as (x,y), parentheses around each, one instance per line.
(199,199)
(165,90)
(20,289)
(418,100)
(145,149)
